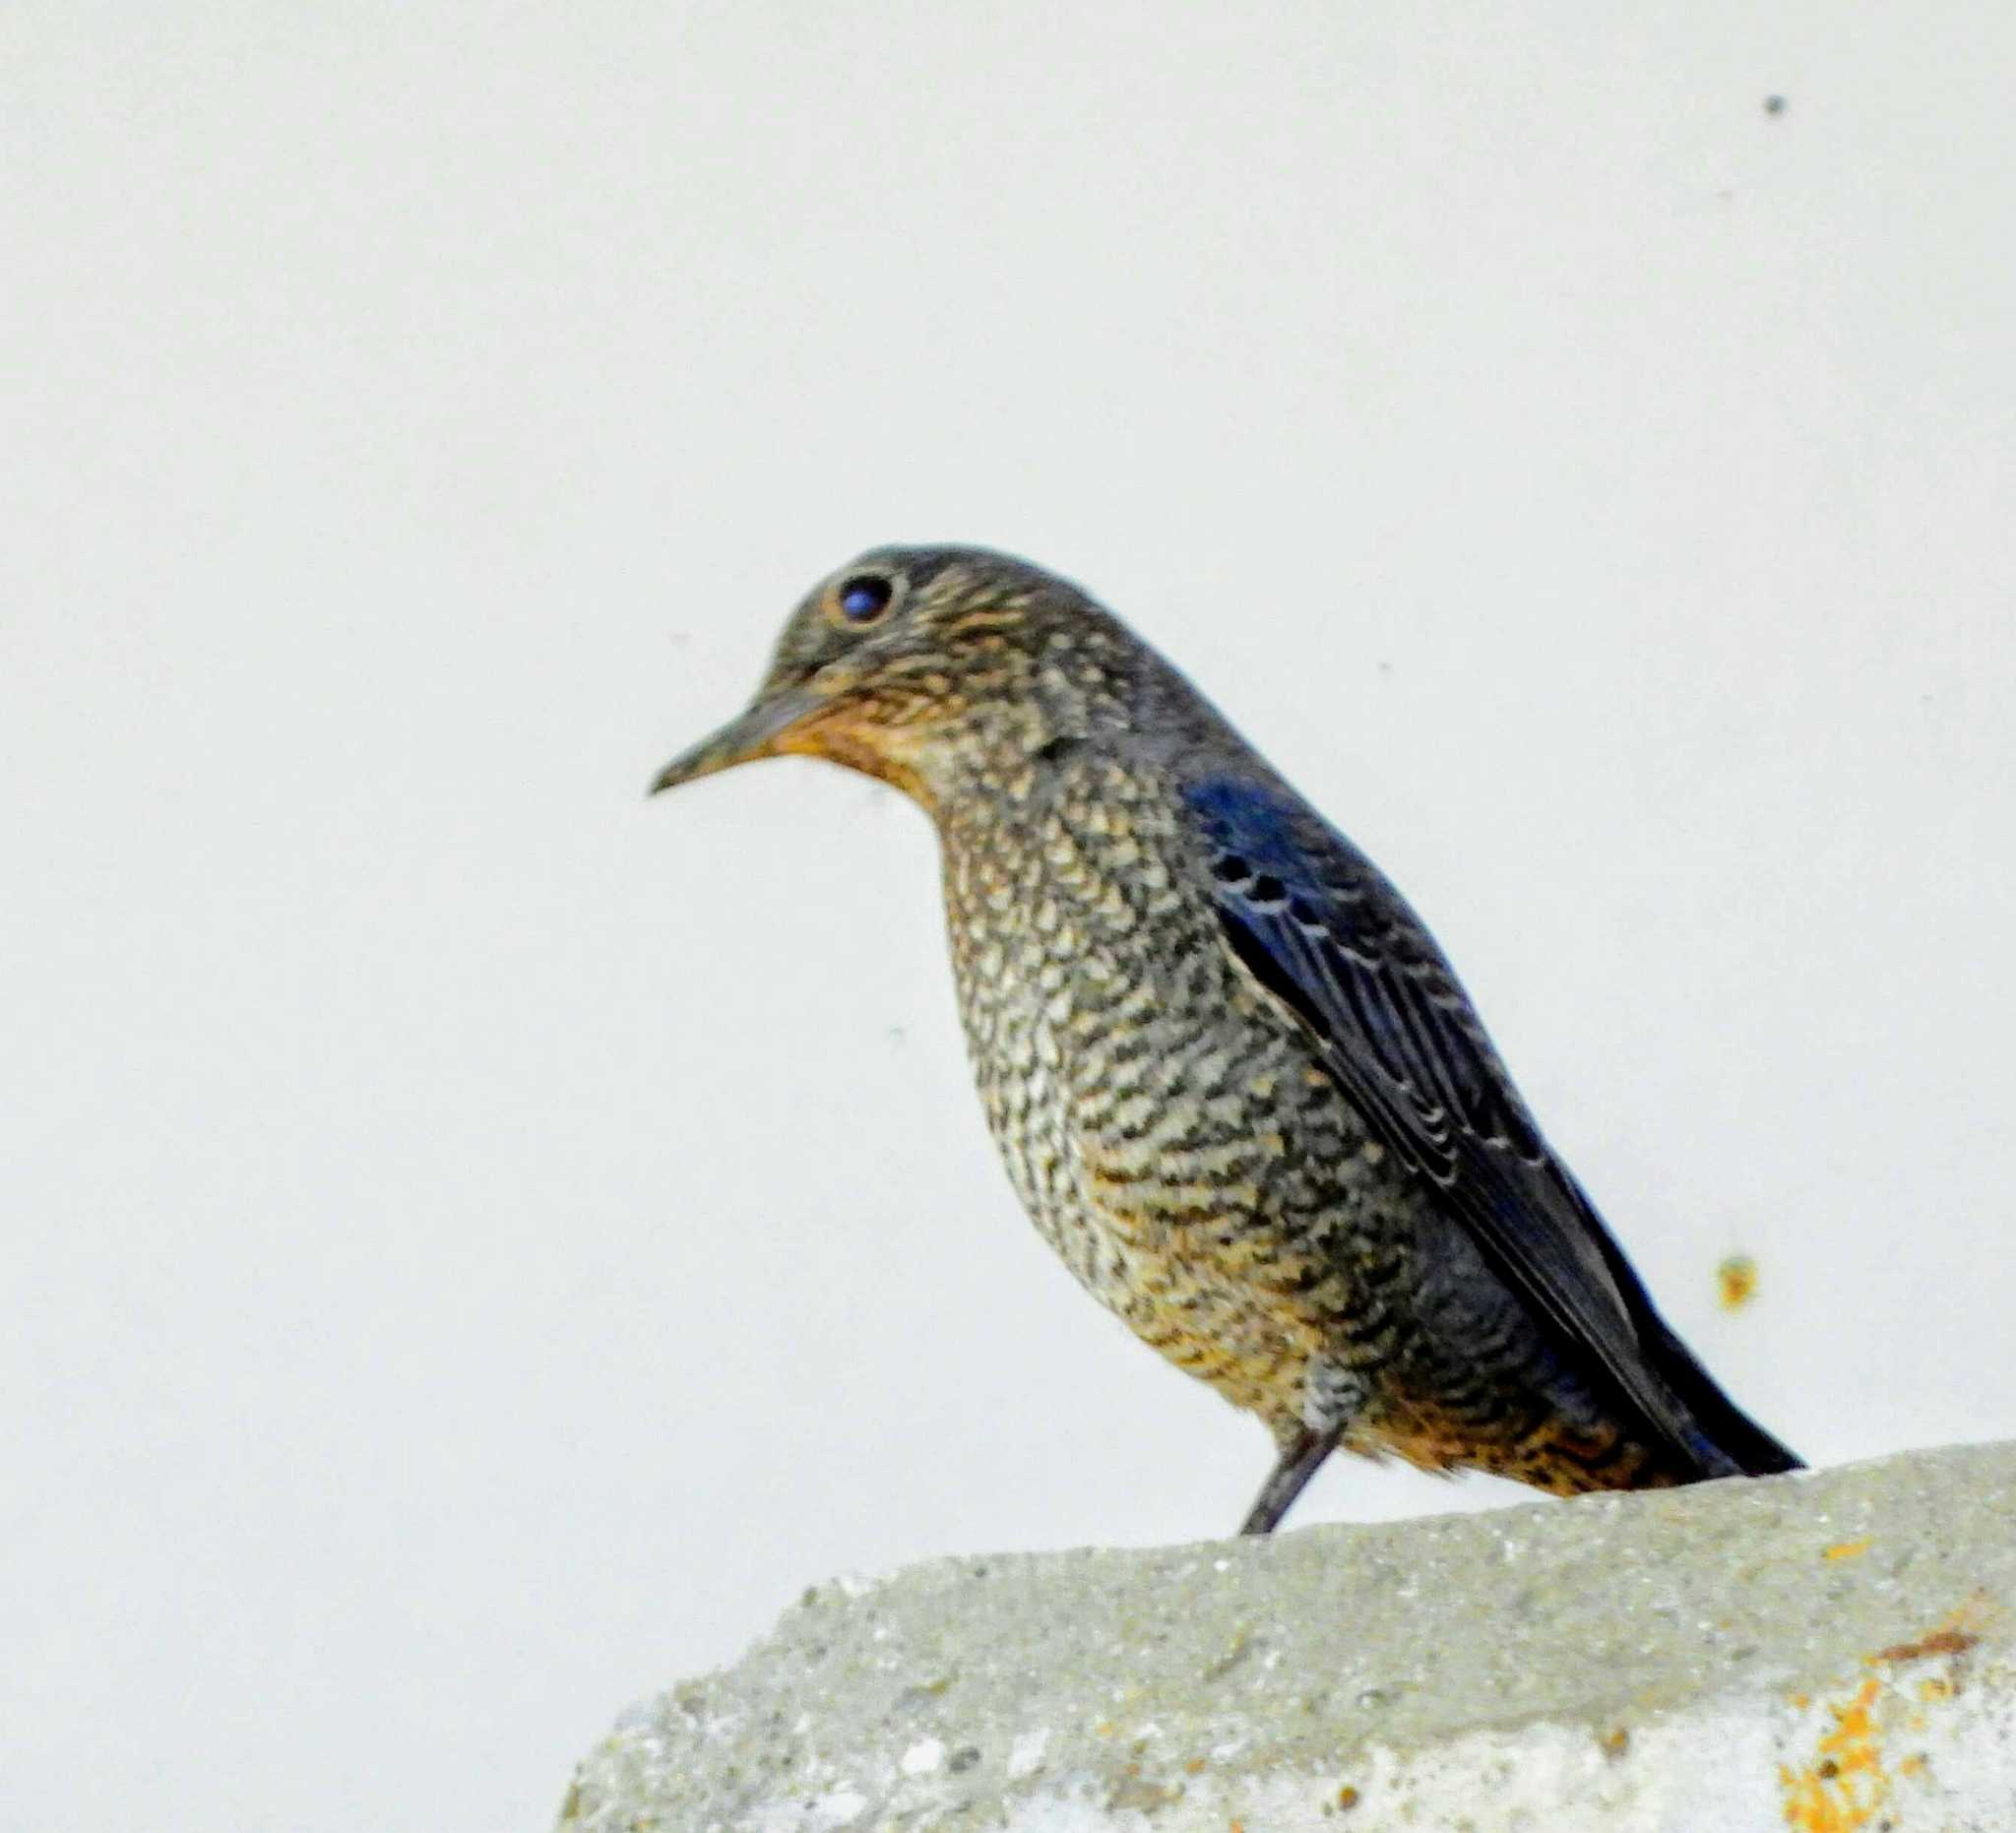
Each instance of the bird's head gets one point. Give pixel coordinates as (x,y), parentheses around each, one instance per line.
(930,668)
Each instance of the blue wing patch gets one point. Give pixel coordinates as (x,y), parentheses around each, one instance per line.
(1320,928)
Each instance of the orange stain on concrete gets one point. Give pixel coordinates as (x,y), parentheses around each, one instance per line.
(1847,1549)
(1939,1642)
(1844,1785)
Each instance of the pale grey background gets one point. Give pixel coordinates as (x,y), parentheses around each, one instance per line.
(475,1245)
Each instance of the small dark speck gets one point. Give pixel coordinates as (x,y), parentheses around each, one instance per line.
(1385,667)
(1774,105)
(962,1759)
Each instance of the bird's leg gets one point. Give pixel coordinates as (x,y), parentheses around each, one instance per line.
(1301,1457)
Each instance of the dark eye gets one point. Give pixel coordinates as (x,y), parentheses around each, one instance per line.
(864,598)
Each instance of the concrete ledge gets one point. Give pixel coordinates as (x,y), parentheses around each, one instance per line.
(1830,1652)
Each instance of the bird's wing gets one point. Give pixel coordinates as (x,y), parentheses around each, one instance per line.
(1321,928)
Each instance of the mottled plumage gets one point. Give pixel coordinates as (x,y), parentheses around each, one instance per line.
(1235,1083)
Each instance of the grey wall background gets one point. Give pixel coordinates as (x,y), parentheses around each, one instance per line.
(474,1245)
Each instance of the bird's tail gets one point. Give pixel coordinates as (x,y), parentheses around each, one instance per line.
(1730,1442)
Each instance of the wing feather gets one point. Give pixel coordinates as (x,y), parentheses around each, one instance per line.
(1318,924)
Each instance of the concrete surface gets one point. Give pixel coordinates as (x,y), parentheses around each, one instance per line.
(1828,1652)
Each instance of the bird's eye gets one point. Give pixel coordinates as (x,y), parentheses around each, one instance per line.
(864,598)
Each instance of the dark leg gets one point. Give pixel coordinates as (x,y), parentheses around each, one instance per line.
(1300,1458)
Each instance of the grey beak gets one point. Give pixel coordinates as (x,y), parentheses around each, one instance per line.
(756,732)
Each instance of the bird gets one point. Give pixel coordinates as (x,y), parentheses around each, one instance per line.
(1235,1082)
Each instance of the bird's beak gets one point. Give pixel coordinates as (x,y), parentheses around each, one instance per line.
(763,728)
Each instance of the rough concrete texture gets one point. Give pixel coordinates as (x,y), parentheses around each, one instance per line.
(1830,1652)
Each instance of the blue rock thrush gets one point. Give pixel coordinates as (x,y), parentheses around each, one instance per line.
(1236,1084)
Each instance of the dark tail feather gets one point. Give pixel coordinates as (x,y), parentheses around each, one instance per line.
(1731,1444)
